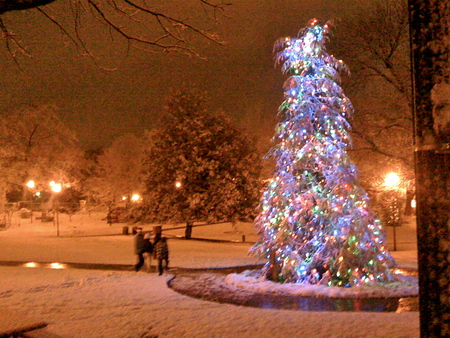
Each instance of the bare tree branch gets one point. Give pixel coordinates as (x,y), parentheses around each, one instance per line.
(12,44)
(373,147)
(133,21)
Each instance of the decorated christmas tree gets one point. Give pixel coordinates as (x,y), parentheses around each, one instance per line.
(315,221)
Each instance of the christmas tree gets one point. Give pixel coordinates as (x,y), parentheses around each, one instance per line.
(315,220)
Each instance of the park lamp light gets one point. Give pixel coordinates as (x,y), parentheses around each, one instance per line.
(392,180)
(56,187)
(135,197)
(177,185)
(30,184)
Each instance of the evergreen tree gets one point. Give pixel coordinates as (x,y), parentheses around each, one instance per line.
(315,220)
(199,167)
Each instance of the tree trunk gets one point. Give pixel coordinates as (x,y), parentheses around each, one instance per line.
(429,31)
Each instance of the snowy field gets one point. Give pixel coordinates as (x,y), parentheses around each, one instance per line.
(96,303)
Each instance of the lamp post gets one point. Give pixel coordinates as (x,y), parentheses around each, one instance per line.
(56,188)
(31,185)
(182,209)
(392,183)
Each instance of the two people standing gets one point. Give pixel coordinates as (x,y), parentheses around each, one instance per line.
(144,248)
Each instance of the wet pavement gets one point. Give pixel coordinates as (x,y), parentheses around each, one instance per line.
(56,265)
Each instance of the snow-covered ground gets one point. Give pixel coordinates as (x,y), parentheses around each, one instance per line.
(97,303)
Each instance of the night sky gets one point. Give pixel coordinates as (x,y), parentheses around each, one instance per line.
(100,105)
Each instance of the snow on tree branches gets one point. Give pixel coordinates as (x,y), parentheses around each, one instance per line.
(198,166)
(315,220)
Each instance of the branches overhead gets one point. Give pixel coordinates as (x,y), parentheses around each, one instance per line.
(20,5)
(375,39)
(142,24)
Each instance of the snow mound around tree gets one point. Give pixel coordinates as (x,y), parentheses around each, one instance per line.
(403,286)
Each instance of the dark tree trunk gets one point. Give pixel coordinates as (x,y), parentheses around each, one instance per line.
(429,28)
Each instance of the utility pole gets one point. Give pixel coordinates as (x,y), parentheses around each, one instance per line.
(430,51)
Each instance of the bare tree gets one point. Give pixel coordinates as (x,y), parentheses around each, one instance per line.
(374,41)
(143,24)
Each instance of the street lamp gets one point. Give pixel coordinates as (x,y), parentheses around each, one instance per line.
(392,180)
(392,183)
(31,185)
(56,188)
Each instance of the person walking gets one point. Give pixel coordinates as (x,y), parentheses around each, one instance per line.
(148,251)
(162,255)
(139,249)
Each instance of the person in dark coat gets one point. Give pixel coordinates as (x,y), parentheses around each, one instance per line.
(139,249)
(162,255)
(148,251)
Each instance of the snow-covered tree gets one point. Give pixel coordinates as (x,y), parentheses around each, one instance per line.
(315,220)
(116,172)
(35,144)
(198,166)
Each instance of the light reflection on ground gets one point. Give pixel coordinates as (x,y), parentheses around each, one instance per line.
(54,265)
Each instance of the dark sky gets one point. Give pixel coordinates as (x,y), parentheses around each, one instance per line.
(99,105)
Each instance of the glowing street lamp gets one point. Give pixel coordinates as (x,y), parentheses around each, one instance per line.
(177,185)
(56,187)
(30,184)
(135,198)
(392,180)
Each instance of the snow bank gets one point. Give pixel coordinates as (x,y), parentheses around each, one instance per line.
(405,286)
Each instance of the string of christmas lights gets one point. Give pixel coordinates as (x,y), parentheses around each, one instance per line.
(314,216)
